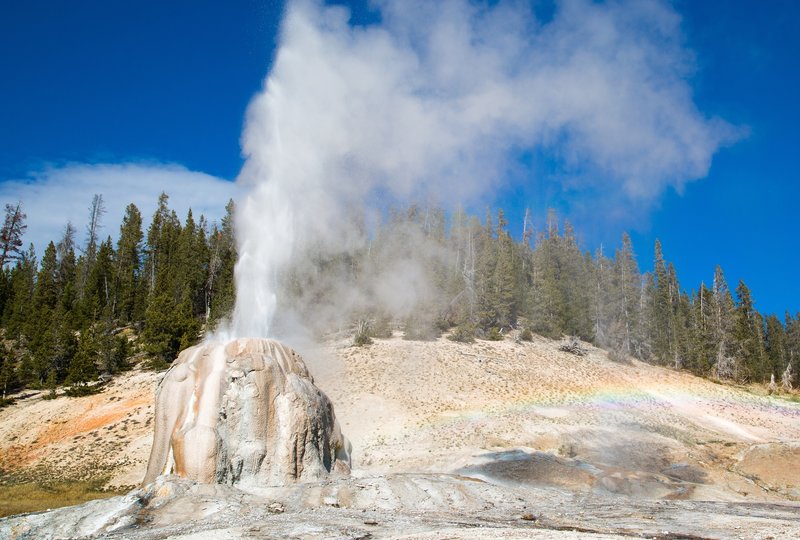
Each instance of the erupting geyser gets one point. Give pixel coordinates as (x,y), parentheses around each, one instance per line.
(434,102)
(244,412)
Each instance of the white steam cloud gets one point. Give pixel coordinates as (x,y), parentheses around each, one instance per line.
(437,99)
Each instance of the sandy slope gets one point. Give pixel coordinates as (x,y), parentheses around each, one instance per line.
(444,406)
(107,435)
(524,415)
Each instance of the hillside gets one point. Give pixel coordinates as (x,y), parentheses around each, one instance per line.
(444,406)
(520,415)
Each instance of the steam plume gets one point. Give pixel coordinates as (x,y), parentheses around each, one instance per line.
(436,100)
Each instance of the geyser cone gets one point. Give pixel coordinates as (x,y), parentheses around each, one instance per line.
(244,411)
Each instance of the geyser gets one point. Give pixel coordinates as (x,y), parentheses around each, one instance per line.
(244,412)
(438,101)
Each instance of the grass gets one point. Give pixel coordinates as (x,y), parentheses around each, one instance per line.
(794,398)
(34,497)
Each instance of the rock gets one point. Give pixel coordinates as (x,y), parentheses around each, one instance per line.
(244,412)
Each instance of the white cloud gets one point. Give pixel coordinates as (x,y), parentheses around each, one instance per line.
(53,196)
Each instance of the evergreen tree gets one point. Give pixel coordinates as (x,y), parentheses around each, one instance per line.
(220,291)
(191,264)
(725,364)
(169,317)
(574,284)
(99,293)
(66,272)
(628,286)
(111,350)
(40,329)
(461,287)
(548,302)
(792,325)
(96,211)
(83,369)
(46,296)
(662,323)
(505,286)
(749,338)
(11,234)
(161,243)
(486,301)
(21,285)
(704,332)
(167,328)
(776,350)
(130,294)
(605,295)
(8,372)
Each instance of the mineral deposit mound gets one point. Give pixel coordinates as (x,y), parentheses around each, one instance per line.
(244,412)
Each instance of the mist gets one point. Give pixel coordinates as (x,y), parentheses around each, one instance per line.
(433,104)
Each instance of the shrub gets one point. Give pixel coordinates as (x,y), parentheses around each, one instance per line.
(462,334)
(361,336)
(494,334)
(420,329)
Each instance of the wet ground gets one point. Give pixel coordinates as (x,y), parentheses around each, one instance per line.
(525,469)
(419,506)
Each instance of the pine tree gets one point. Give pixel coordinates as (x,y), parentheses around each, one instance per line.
(679,320)
(505,280)
(11,234)
(167,327)
(792,325)
(191,264)
(574,284)
(725,365)
(704,332)
(130,294)
(158,249)
(111,350)
(776,350)
(486,301)
(98,290)
(67,270)
(169,317)
(220,290)
(461,288)
(605,295)
(40,325)
(83,368)
(47,280)
(749,338)
(662,324)
(8,372)
(96,211)
(628,286)
(548,302)
(22,286)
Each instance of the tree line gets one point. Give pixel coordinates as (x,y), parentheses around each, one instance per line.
(81,309)
(84,309)
(486,284)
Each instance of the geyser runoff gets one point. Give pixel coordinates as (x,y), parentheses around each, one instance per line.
(439,99)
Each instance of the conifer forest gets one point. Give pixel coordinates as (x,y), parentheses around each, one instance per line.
(85,307)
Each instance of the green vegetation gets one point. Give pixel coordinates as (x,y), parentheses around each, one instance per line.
(481,283)
(35,497)
(84,310)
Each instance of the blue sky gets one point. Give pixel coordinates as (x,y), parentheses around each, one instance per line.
(164,86)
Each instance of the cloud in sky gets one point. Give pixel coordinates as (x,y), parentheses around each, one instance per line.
(55,195)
